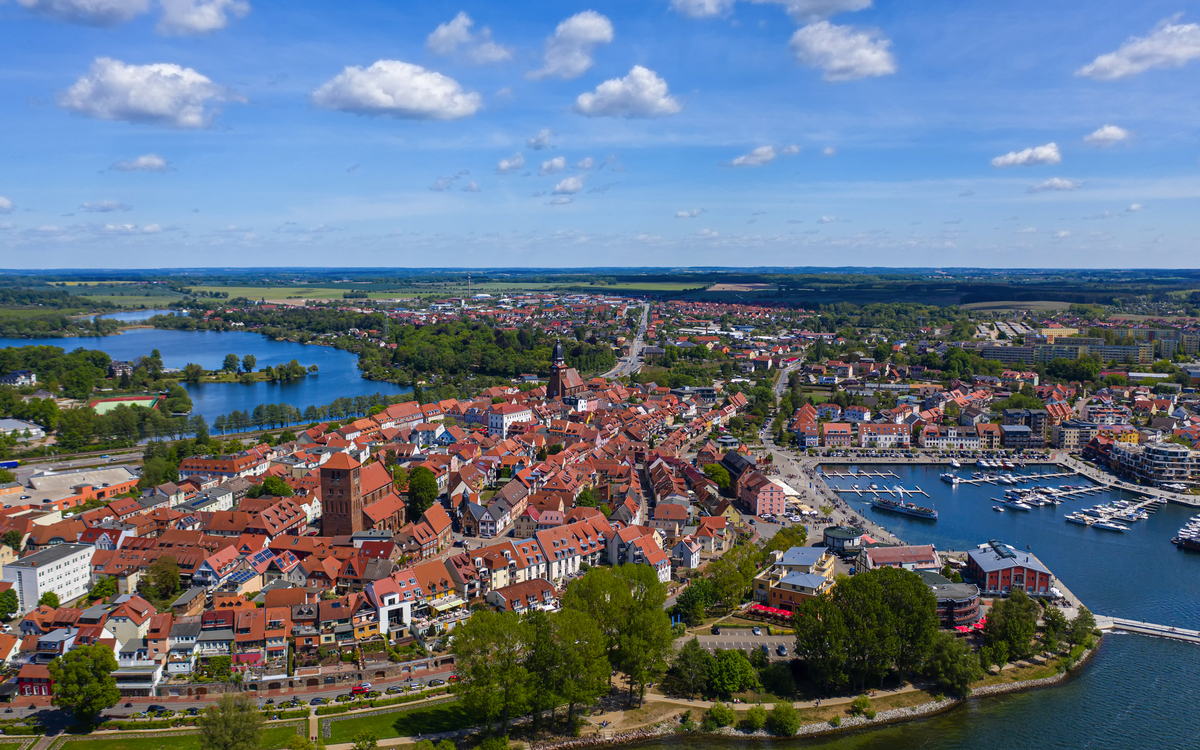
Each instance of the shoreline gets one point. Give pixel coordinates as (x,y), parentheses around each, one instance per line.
(824,728)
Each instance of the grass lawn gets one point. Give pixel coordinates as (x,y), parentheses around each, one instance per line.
(441,718)
(651,286)
(1017,674)
(272,739)
(825,713)
(133,300)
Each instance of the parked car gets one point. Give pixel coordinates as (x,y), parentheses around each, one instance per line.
(782,650)
(317,701)
(716,630)
(394,689)
(757,631)
(435,683)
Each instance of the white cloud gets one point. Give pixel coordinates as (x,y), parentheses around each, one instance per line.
(129,229)
(159,94)
(756,158)
(540,140)
(845,53)
(828,151)
(801,10)
(104,207)
(1107,135)
(398,89)
(144,163)
(569,51)
(471,187)
(791,150)
(442,183)
(184,17)
(827,219)
(1055,183)
(562,200)
(557,164)
(695,212)
(6,206)
(708,234)
(640,94)
(586,162)
(448,37)
(1134,207)
(569,186)
(1047,154)
(508,166)
(1062,234)
(1170,45)
(1027,230)
(87,12)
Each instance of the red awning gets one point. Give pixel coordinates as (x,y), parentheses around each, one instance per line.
(246,658)
(770,610)
(961,628)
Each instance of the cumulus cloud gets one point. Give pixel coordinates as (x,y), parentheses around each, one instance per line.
(87,12)
(456,35)
(640,94)
(1062,234)
(827,219)
(586,162)
(569,51)
(1047,154)
(144,163)
(6,205)
(756,158)
(845,53)
(158,94)
(185,17)
(791,150)
(397,89)
(442,183)
(828,151)
(508,166)
(471,187)
(1055,183)
(104,207)
(695,212)
(561,200)
(129,229)
(1107,136)
(540,140)
(801,10)
(550,166)
(1170,45)
(1134,207)
(708,234)
(569,186)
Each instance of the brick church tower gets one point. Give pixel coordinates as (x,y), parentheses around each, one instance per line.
(341,496)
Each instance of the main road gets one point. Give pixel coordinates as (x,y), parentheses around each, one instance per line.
(630,364)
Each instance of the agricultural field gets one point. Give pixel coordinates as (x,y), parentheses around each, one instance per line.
(1035,305)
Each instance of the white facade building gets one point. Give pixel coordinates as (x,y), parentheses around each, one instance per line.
(64,569)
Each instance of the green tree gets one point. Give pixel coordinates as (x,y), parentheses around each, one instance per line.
(695,601)
(1012,621)
(784,720)
(583,667)
(1082,626)
(587,498)
(730,672)
(49,599)
(104,588)
(12,539)
(952,664)
(718,474)
(234,723)
(248,363)
(9,604)
(84,683)
(79,382)
(644,640)
(489,651)
(231,363)
(422,490)
(272,487)
(691,668)
(786,538)
(192,372)
(164,575)
(915,621)
(722,714)
(604,599)
(756,718)
(366,740)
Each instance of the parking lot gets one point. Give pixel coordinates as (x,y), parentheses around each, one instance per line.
(744,641)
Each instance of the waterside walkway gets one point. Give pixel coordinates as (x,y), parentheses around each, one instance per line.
(1148,628)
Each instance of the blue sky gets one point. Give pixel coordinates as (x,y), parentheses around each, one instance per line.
(157,133)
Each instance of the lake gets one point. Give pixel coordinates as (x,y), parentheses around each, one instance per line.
(338,373)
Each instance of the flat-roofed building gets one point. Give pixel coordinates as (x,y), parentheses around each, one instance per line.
(64,569)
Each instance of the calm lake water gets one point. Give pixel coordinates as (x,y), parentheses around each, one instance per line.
(337,376)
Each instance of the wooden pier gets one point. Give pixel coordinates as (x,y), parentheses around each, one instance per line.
(899,492)
(1017,478)
(863,474)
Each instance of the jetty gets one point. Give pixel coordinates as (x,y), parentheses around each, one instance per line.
(899,492)
(1148,628)
(1017,478)
(860,474)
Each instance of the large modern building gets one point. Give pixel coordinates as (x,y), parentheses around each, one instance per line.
(64,569)
(1156,464)
(799,573)
(998,568)
(957,603)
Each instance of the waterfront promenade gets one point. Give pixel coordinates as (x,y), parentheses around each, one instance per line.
(1148,628)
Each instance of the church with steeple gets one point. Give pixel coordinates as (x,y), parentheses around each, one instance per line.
(564,381)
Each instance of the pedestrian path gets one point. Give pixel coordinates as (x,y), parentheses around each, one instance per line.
(1148,628)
